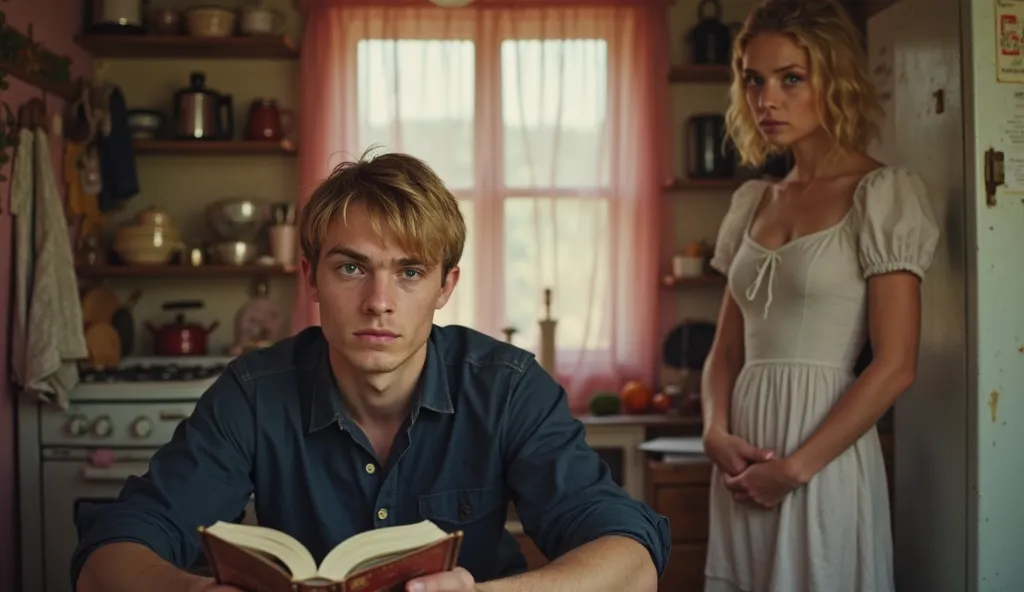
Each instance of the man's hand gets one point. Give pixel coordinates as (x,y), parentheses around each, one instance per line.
(456,580)
(765,484)
(731,453)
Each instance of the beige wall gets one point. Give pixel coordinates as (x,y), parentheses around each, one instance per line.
(184,184)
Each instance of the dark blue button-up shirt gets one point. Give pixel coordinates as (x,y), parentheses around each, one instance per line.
(488,426)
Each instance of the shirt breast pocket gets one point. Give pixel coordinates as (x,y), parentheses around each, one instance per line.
(463,509)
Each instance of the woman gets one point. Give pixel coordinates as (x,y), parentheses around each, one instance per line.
(818,263)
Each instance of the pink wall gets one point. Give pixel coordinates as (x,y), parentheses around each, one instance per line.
(54,24)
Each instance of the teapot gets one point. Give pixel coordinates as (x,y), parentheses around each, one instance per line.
(179,338)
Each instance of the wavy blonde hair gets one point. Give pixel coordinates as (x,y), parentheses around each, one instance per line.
(401,193)
(847,101)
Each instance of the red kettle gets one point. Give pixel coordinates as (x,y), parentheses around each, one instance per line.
(264,121)
(179,338)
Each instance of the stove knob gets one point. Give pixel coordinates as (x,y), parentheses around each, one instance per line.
(102,427)
(142,427)
(76,426)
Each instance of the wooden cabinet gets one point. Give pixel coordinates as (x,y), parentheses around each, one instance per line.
(681,493)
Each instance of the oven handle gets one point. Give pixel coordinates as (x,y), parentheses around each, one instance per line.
(115,472)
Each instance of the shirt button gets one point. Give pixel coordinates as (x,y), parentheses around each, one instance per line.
(382,513)
(370,469)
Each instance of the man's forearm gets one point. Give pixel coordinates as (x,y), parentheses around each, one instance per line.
(128,567)
(608,564)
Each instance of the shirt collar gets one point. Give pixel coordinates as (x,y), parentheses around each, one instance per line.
(325,408)
(433,392)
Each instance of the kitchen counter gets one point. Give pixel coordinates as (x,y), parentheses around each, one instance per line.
(645,419)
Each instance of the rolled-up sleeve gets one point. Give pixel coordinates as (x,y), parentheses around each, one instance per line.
(563,491)
(202,475)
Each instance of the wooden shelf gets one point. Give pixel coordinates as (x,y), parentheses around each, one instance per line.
(181,46)
(182,271)
(701,74)
(207,147)
(704,184)
(66,91)
(707,281)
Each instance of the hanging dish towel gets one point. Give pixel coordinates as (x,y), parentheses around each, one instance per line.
(49,336)
(117,155)
(22,184)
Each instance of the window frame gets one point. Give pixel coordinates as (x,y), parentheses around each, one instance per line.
(490,191)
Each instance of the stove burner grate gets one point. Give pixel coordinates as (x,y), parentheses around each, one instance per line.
(152,373)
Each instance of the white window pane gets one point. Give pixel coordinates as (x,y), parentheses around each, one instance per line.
(573,261)
(554,111)
(460,307)
(416,96)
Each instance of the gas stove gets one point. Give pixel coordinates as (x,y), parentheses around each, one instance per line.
(151,378)
(153,373)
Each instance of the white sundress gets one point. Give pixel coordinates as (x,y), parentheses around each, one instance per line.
(804,309)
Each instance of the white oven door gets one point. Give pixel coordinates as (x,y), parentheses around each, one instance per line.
(71,484)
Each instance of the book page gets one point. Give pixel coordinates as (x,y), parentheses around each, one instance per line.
(285,548)
(372,544)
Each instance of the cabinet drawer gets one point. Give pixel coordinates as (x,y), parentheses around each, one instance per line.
(686,507)
(685,569)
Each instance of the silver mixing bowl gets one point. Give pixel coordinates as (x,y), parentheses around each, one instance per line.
(237,219)
(234,253)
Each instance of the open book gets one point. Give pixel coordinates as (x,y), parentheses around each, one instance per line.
(260,559)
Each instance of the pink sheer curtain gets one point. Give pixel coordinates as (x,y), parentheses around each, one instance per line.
(545,120)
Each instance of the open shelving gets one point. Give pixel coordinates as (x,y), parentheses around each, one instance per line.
(700,73)
(211,147)
(99,272)
(182,46)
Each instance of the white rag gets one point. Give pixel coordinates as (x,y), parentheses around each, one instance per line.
(48,334)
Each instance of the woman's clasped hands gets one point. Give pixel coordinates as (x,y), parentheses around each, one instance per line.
(753,475)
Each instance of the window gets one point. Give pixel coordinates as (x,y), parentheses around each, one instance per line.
(526,154)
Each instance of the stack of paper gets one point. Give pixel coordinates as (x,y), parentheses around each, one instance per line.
(677,450)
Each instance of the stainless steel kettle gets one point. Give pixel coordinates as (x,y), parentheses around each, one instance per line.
(201,113)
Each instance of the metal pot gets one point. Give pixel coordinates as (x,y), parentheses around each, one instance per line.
(180,338)
(114,17)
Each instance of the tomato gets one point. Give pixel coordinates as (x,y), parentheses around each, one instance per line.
(636,397)
(662,402)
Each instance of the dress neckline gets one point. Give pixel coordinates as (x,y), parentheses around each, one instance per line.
(811,235)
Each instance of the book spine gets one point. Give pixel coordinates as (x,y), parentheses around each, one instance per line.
(210,556)
(324,587)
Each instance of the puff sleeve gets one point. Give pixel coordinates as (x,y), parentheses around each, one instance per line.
(734,224)
(898,231)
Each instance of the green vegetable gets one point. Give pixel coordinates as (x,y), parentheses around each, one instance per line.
(605,403)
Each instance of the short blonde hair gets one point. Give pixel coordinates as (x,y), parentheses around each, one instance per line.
(400,192)
(848,102)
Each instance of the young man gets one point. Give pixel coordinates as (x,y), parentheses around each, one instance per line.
(377,418)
